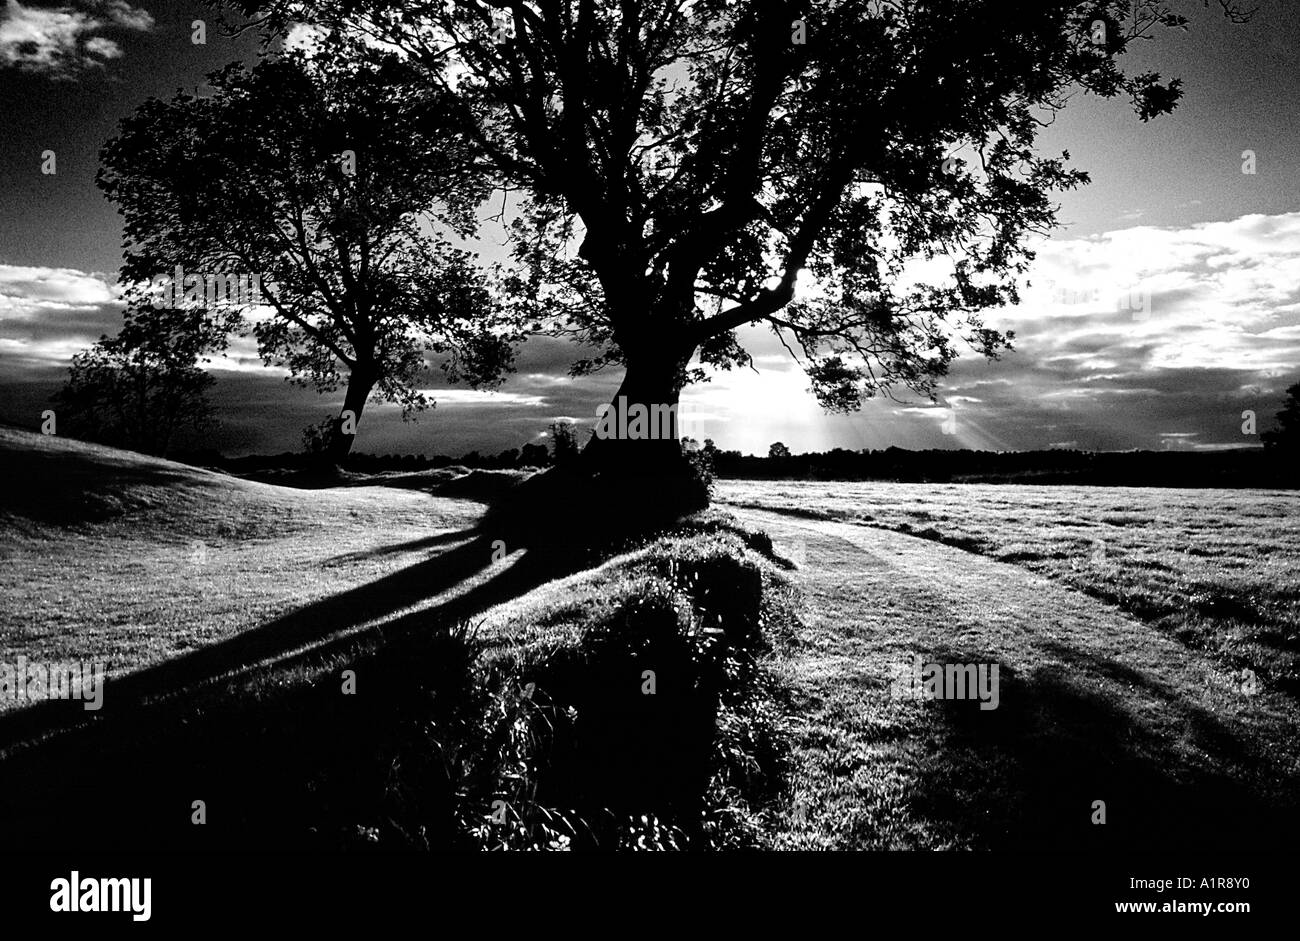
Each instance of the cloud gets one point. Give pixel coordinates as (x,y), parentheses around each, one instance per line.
(126,16)
(1122,338)
(25,290)
(49,314)
(484,397)
(305,38)
(1220,335)
(63,42)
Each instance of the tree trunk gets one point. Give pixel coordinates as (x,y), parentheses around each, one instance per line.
(640,475)
(638,438)
(343,432)
(632,481)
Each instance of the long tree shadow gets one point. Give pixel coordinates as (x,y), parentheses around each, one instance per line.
(280,766)
(1029,774)
(317,630)
(396,548)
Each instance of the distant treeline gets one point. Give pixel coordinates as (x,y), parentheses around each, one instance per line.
(1244,467)
(530,455)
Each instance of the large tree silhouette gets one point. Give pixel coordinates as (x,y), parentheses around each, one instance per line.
(328,178)
(693,168)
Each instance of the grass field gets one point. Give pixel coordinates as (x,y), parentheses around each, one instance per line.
(1124,621)
(1217,569)
(1094,705)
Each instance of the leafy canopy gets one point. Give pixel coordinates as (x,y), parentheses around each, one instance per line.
(690,167)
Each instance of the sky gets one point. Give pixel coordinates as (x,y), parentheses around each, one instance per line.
(1166,305)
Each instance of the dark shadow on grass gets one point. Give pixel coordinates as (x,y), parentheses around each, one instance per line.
(255,751)
(1025,776)
(411,545)
(1211,734)
(307,632)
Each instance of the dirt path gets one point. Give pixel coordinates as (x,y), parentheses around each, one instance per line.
(1093,706)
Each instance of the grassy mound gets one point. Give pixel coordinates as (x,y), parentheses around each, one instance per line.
(62,481)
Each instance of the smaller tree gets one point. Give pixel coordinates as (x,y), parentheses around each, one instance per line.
(533,455)
(778,451)
(1285,438)
(564,444)
(329,196)
(143,389)
(320,438)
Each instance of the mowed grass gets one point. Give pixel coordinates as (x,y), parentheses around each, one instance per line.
(133,560)
(1219,570)
(1094,705)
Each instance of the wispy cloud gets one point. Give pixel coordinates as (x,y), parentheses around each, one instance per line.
(65,42)
(26,291)
(49,314)
(483,397)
